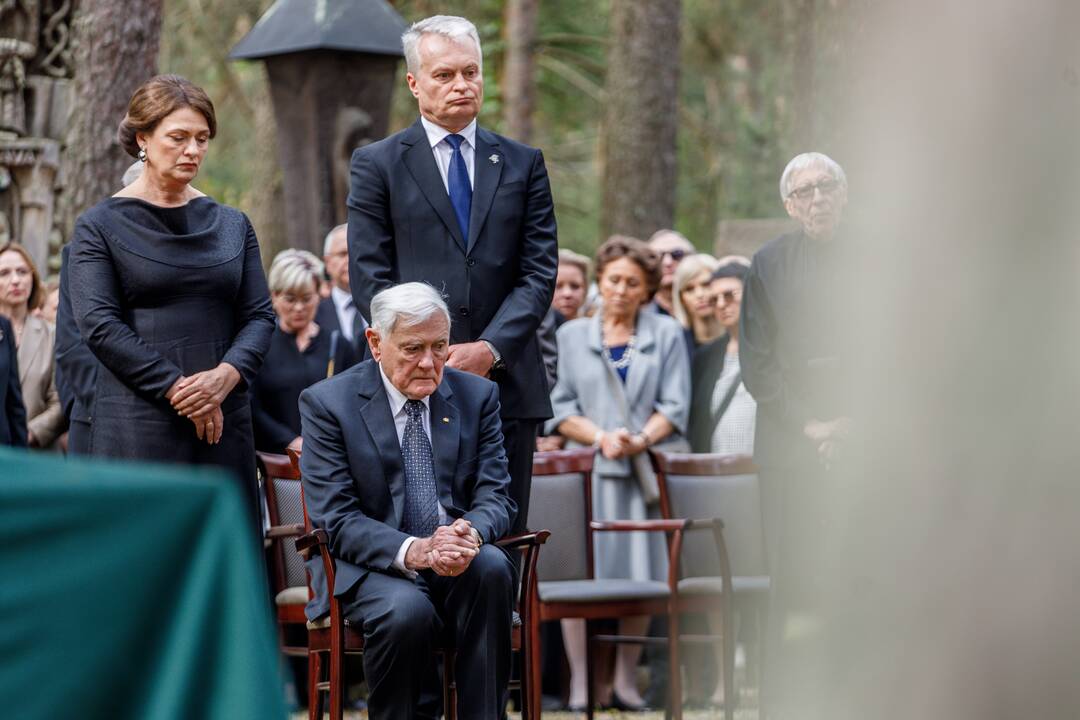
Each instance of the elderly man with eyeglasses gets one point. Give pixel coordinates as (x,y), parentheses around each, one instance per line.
(788,350)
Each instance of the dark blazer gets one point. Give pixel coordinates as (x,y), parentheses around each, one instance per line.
(13,419)
(705,368)
(76,366)
(498,281)
(354,481)
(792,308)
(326,317)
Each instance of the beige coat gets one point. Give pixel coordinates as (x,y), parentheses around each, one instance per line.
(45,417)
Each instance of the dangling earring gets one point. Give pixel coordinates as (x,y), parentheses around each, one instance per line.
(142,154)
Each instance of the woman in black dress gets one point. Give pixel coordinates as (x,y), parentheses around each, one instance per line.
(168,291)
(301,352)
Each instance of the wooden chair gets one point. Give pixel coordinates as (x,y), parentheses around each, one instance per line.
(561,500)
(288,581)
(726,487)
(333,637)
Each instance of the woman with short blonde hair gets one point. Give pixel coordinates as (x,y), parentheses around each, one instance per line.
(301,352)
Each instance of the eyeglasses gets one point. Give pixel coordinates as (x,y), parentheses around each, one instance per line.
(804,192)
(727,297)
(676,255)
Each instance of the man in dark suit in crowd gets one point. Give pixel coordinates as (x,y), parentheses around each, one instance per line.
(404,467)
(470,212)
(338,312)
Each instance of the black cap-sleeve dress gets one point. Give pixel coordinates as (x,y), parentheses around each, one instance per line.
(162,292)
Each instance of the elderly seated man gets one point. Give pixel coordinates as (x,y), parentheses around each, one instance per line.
(404,467)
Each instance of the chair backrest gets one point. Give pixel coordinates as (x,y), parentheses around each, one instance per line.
(561,501)
(285,507)
(699,486)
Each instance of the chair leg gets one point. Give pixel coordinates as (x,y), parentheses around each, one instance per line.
(729,658)
(590,672)
(674,668)
(450,708)
(531,699)
(315,699)
(337,686)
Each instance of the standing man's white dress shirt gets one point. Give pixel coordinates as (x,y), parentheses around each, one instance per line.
(346,311)
(397,410)
(443,150)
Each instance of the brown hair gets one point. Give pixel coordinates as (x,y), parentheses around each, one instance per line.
(36,291)
(154,100)
(622,246)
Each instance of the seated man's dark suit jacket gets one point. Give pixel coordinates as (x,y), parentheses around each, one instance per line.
(498,282)
(354,481)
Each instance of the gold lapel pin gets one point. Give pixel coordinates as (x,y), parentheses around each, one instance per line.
(446,420)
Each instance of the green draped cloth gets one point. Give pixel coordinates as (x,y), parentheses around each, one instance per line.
(130,591)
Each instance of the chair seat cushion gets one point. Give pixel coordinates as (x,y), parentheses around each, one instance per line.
(715,585)
(585,591)
(292,596)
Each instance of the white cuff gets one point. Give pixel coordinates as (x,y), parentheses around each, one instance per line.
(399,559)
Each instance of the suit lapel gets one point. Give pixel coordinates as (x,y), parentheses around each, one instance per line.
(637,373)
(486,176)
(380,424)
(445,436)
(31,345)
(420,160)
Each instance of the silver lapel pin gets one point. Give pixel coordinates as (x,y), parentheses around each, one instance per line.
(494,159)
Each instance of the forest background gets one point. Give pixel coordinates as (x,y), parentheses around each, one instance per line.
(748,92)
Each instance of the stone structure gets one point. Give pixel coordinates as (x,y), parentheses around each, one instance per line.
(331,66)
(35,73)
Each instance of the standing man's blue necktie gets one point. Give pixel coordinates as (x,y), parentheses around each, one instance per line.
(457,182)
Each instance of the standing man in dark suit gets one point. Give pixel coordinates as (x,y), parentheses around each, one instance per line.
(404,468)
(338,312)
(469,212)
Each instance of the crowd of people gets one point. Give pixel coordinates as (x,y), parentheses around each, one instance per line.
(164,340)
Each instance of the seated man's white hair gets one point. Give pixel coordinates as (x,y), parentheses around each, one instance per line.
(330,237)
(806,160)
(451,27)
(409,304)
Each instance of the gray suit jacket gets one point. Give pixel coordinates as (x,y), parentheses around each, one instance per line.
(658,379)
(354,478)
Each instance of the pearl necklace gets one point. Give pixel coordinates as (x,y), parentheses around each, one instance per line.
(628,354)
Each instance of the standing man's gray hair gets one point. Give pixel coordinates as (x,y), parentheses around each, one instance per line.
(330,237)
(810,159)
(409,303)
(452,27)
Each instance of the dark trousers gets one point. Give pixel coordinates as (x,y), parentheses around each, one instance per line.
(78,437)
(402,620)
(519,440)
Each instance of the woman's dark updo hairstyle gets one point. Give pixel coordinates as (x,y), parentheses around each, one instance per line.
(622,246)
(154,100)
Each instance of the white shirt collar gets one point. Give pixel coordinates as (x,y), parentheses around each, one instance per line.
(397,398)
(436,133)
(342,298)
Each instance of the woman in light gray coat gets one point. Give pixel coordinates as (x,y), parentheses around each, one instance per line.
(623,385)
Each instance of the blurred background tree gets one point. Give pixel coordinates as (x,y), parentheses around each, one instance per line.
(749,97)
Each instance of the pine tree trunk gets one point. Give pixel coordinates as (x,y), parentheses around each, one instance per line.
(518,86)
(642,103)
(115,49)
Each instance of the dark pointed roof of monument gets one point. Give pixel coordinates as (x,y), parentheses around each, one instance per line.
(368,26)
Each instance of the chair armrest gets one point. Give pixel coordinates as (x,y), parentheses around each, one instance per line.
(284,531)
(308,545)
(637,525)
(516,542)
